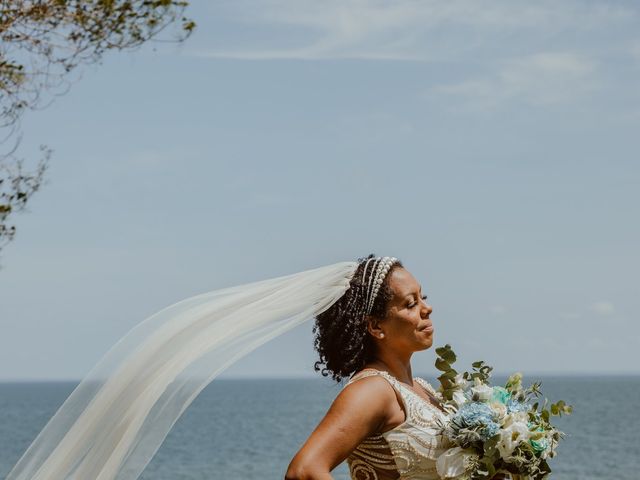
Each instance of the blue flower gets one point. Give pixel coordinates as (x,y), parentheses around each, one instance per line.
(477,416)
(514,405)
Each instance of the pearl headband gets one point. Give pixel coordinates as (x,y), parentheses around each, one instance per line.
(379,271)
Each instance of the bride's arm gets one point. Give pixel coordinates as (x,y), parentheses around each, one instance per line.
(360,410)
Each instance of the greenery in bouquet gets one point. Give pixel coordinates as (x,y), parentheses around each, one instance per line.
(494,428)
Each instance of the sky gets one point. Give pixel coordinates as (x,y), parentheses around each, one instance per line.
(492,146)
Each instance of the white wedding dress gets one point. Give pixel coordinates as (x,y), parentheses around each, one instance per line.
(408,451)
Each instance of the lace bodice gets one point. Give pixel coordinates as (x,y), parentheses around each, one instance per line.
(408,451)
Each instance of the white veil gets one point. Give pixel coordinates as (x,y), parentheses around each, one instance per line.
(118,416)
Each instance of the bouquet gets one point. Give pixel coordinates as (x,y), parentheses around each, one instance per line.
(494,430)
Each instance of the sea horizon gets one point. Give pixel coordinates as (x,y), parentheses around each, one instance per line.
(432,375)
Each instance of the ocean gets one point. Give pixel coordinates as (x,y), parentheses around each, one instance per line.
(250,429)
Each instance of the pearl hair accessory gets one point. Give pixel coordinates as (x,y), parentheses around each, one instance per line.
(379,271)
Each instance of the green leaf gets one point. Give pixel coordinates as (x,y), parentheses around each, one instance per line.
(450,374)
(544,467)
(445,381)
(487,463)
(490,447)
(545,415)
(442,365)
(448,356)
(442,350)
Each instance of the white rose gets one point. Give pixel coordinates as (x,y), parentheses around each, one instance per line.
(455,462)
(459,398)
(516,417)
(511,436)
(499,409)
(459,381)
(483,392)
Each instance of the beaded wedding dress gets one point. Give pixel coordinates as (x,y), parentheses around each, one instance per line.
(408,451)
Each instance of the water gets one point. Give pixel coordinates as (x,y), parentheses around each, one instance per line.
(250,429)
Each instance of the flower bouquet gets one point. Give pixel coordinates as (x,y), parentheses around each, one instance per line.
(496,432)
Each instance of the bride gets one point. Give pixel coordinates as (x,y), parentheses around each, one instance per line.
(370,318)
(385,422)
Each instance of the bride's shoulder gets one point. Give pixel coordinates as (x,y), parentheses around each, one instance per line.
(370,385)
(361,401)
(368,381)
(366,394)
(365,372)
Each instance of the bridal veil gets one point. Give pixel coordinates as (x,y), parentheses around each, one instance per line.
(116,419)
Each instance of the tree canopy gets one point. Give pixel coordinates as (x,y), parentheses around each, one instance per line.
(42,42)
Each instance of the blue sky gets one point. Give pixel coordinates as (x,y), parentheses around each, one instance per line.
(491,146)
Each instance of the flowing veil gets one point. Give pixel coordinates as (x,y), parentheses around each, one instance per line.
(118,416)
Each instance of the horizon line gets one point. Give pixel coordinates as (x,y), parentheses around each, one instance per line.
(320,377)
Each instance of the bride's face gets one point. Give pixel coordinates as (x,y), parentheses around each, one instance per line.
(407,326)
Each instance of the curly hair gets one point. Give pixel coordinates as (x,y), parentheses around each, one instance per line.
(341,337)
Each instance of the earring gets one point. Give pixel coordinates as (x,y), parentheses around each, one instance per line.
(382,335)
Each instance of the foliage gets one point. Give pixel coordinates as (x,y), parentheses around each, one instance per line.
(16,187)
(42,42)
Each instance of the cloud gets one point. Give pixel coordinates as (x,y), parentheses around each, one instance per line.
(603,308)
(546,78)
(401,30)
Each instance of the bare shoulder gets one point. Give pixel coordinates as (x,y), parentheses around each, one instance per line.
(373,388)
(370,400)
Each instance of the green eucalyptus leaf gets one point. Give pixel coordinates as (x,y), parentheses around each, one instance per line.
(450,374)
(442,365)
(448,356)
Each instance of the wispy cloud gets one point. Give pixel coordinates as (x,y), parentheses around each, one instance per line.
(398,30)
(542,53)
(539,79)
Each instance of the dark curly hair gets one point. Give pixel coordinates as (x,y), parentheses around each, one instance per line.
(341,337)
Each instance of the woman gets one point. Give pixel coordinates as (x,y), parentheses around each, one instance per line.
(385,422)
